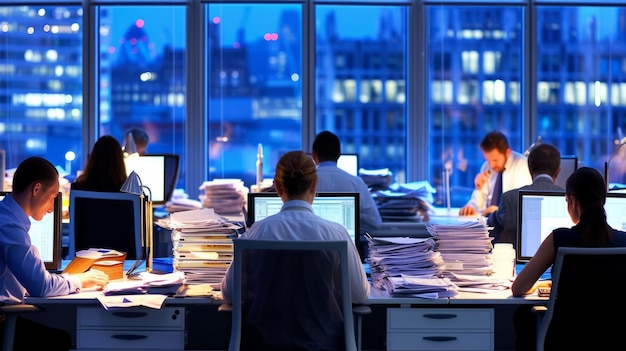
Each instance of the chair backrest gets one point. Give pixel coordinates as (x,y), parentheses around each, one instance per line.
(111,220)
(286,291)
(578,316)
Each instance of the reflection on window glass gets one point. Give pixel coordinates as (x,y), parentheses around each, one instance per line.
(580,84)
(41,95)
(141,75)
(361,54)
(474,55)
(255,87)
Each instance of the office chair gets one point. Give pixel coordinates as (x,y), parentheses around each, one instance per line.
(280,276)
(10,318)
(585,300)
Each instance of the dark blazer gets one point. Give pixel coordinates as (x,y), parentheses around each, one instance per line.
(504,220)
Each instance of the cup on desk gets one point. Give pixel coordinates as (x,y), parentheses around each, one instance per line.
(503,256)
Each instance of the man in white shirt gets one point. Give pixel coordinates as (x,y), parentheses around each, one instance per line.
(326,152)
(500,162)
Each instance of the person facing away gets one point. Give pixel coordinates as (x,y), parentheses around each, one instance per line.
(105,169)
(295,181)
(326,151)
(585,193)
(35,187)
(140,138)
(500,162)
(544,164)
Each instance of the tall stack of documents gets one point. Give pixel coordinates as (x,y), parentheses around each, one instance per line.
(376,178)
(202,245)
(224,196)
(405,202)
(408,267)
(466,251)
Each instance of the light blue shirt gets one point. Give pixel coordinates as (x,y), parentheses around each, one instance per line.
(297,221)
(333,179)
(22,272)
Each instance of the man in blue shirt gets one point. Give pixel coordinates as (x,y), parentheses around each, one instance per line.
(326,152)
(35,186)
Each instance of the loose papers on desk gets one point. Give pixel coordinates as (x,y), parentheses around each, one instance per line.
(408,267)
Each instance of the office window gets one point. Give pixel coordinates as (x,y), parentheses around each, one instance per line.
(371,88)
(41,102)
(474,55)
(141,75)
(588,118)
(260,44)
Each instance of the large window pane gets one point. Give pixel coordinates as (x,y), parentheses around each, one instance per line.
(254,87)
(141,75)
(361,73)
(41,84)
(475,74)
(581,76)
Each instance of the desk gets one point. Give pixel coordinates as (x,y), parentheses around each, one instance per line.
(204,328)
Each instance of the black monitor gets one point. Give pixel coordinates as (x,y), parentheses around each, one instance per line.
(569,164)
(540,212)
(342,208)
(158,172)
(108,220)
(349,163)
(45,235)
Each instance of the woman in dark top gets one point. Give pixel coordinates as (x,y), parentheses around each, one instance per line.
(585,192)
(105,169)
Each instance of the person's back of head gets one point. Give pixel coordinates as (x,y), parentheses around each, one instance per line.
(31,170)
(105,169)
(295,174)
(326,147)
(495,140)
(586,185)
(544,159)
(141,139)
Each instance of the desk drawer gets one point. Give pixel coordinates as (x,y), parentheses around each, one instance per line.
(467,341)
(399,319)
(135,317)
(130,340)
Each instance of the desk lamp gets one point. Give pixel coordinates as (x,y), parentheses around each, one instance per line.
(129,147)
(133,185)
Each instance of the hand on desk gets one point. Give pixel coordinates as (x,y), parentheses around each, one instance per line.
(93,278)
(468,211)
(486,212)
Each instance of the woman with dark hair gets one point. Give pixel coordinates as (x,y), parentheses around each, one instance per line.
(585,192)
(105,169)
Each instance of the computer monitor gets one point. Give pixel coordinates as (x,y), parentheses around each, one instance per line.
(349,163)
(158,172)
(569,164)
(342,208)
(3,168)
(108,220)
(540,212)
(45,235)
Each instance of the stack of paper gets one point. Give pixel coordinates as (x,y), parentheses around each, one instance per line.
(180,201)
(466,250)
(405,202)
(376,178)
(202,245)
(225,196)
(410,266)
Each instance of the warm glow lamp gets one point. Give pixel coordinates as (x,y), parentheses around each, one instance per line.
(129,146)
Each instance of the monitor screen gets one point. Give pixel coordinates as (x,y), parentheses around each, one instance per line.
(342,208)
(349,163)
(158,172)
(540,212)
(568,165)
(107,220)
(45,235)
